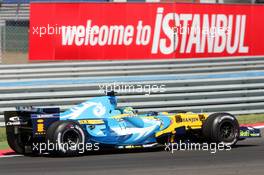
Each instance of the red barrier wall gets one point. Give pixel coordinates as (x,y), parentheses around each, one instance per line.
(111,31)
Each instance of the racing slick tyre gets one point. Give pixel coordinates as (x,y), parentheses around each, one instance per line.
(15,142)
(67,138)
(221,128)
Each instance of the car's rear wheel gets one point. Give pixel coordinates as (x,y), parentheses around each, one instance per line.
(67,137)
(16,142)
(221,128)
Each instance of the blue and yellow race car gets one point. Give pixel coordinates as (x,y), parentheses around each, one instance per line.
(98,124)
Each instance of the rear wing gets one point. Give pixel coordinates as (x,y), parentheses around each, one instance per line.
(28,124)
(29,118)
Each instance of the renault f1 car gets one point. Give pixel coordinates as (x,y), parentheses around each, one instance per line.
(101,124)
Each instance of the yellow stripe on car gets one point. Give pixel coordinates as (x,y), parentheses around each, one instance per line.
(91,122)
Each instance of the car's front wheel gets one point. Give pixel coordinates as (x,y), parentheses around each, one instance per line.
(221,128)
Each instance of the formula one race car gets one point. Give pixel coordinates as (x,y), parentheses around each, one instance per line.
(98,124)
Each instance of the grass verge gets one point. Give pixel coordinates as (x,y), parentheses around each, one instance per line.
(251,118)
(3,142)
(4,145)
(2,134)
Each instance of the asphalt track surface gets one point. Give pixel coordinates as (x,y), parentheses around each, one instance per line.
(247,159)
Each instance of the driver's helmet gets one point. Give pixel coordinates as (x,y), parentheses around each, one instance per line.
(128,110)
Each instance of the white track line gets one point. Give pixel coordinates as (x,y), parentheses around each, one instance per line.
(6,156)
(258,127)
